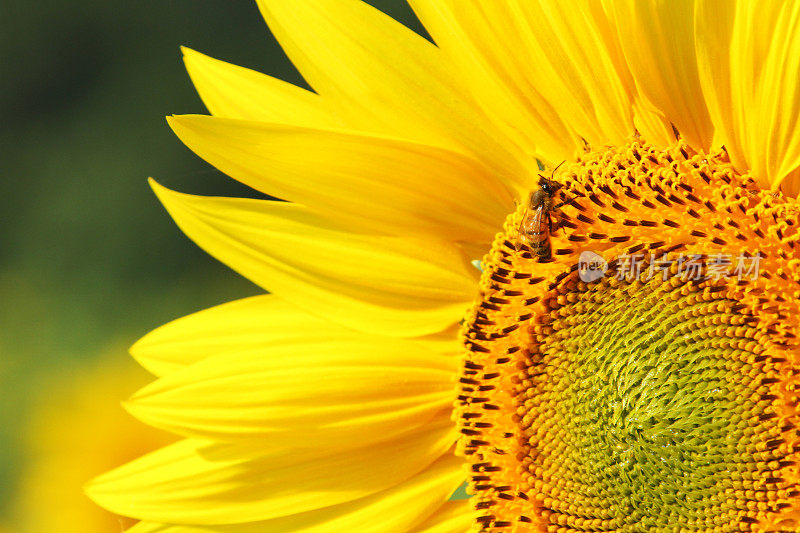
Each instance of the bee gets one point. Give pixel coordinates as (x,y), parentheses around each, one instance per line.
(537,224)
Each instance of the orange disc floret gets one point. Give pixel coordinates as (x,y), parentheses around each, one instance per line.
(644,375)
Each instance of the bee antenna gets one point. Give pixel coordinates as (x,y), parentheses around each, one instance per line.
(557,167)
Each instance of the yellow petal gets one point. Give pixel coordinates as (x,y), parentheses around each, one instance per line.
(237,92)
(154,527)
(486,68)
(575,59)
(713,23)
(750,70)
(377,184)
(452,517)
(302,391)
(195,482)
(658,42)
(652,124)
(383,77)
(385,285)
(391,511)
(446,343)
(565,56)
(252,323)
(243,325)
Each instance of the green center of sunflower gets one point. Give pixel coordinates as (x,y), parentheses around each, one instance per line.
(653,412)
(660,398)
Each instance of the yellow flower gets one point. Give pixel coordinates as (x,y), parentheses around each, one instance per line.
(624,402)
(77,431)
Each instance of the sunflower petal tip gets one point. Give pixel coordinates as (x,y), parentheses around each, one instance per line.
(158,189)
(96,490)
(88,489)
(166,196)
(183,123)
(135,349)
(194,61)
(140,350)
(129,405)
(103,492)
(135,408)
(197,62)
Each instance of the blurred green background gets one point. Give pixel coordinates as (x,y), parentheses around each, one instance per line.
(88,258)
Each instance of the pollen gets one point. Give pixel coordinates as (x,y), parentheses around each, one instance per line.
(645,376)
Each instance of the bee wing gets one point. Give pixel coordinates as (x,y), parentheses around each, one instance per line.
(522,223)
(534,220)
(521,229)
(530,225)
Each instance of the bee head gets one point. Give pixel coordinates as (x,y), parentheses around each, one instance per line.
(549,186)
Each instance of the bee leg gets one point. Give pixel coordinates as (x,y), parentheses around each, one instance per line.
(559,226)
(565,202)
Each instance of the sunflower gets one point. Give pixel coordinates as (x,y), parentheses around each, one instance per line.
(624,358)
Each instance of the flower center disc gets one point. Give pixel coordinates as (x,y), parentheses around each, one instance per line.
(641,374)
